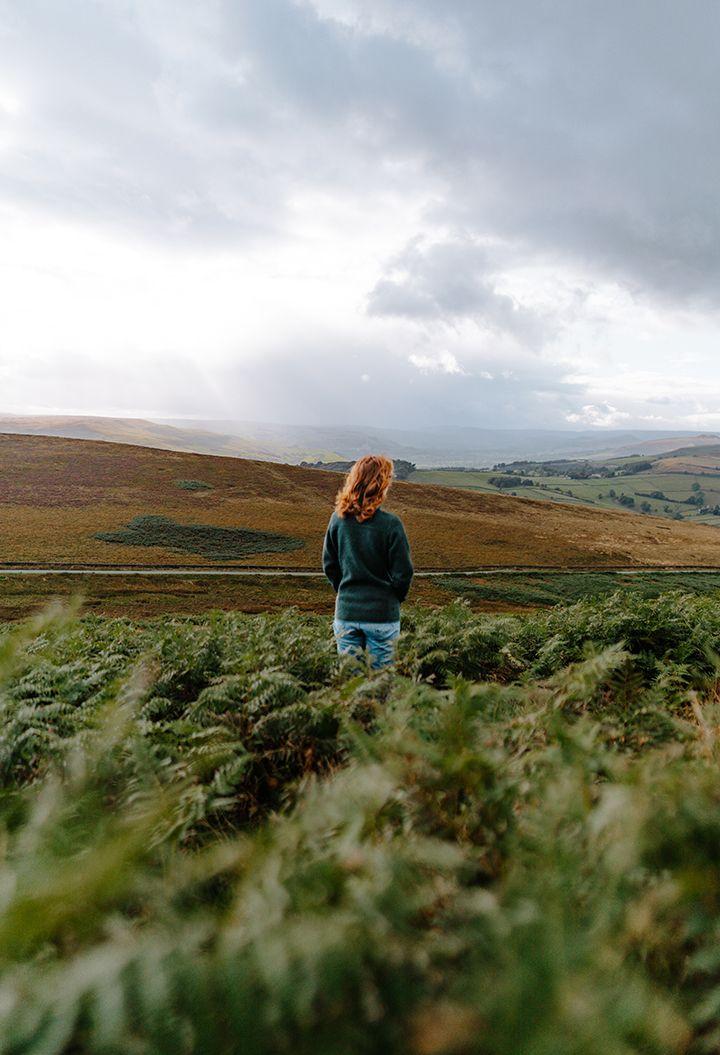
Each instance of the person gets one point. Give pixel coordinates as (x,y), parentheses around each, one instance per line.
(366,557)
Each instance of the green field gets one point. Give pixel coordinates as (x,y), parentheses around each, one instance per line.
(218,837)
(595,492)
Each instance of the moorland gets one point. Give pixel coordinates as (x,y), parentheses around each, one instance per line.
(218,833)
(78,503)
(84,502)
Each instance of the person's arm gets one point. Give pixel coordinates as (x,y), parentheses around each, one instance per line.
(331,564)
(401,567)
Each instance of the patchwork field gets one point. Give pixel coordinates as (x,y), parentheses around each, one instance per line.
(662,491)
(58,495)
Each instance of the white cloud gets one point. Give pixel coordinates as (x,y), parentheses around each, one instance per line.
(603,415)
(440,363)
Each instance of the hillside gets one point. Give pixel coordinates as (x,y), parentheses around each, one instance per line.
(59,494)
(705,460)
(679,483)
(655,447)
(165,436)
(448,444)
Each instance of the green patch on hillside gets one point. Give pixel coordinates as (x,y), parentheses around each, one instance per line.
(215,543)
(194,485)
(540,589)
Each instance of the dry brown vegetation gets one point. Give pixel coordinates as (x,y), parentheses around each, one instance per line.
(140,597)
(702,463)
(56,493)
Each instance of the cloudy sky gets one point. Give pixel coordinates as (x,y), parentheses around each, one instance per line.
(400,212)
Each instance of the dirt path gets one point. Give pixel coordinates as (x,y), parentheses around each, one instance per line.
(250,571)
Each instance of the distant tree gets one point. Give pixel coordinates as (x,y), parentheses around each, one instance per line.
(695,486)
(509,481)
(611,493)
(403,468)
(645,507)
(636,467)
(627,500)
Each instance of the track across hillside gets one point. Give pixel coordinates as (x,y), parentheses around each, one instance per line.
(196,571)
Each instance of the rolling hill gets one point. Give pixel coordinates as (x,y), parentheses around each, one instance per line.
(703,460)
(428,447)
(89,502)
(653,448)
(676,482)
(447,445)
(164,436)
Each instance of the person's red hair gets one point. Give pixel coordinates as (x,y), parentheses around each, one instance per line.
(365,487)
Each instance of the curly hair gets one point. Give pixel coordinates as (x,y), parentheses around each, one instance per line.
(365,487)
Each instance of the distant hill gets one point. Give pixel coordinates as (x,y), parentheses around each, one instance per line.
(664,445)
(453,445)
(154,434)
(448,445)
(58,495)
(690,460)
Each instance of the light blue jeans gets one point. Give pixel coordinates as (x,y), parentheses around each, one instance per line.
(377,638)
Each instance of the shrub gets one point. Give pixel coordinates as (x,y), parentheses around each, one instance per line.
(216,833)
(193,485)
(216,543)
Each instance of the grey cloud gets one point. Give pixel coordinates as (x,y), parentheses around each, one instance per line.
(312,386)
(449,281)
(569,132)
(307,385)
(107,132)
(579,131)
(585,132)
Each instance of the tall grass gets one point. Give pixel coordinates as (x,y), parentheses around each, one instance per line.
(217,837)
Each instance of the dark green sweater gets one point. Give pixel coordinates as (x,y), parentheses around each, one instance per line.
(369,566)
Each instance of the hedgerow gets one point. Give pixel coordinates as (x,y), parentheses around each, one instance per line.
(219,836)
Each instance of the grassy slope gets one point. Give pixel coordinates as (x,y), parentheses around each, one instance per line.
(674,477)
(56,493)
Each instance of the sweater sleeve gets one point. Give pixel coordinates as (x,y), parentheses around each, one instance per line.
(401,568)
(331,564)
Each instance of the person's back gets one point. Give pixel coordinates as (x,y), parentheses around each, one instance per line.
(366,557)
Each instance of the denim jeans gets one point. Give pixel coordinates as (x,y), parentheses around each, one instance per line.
(377,638)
